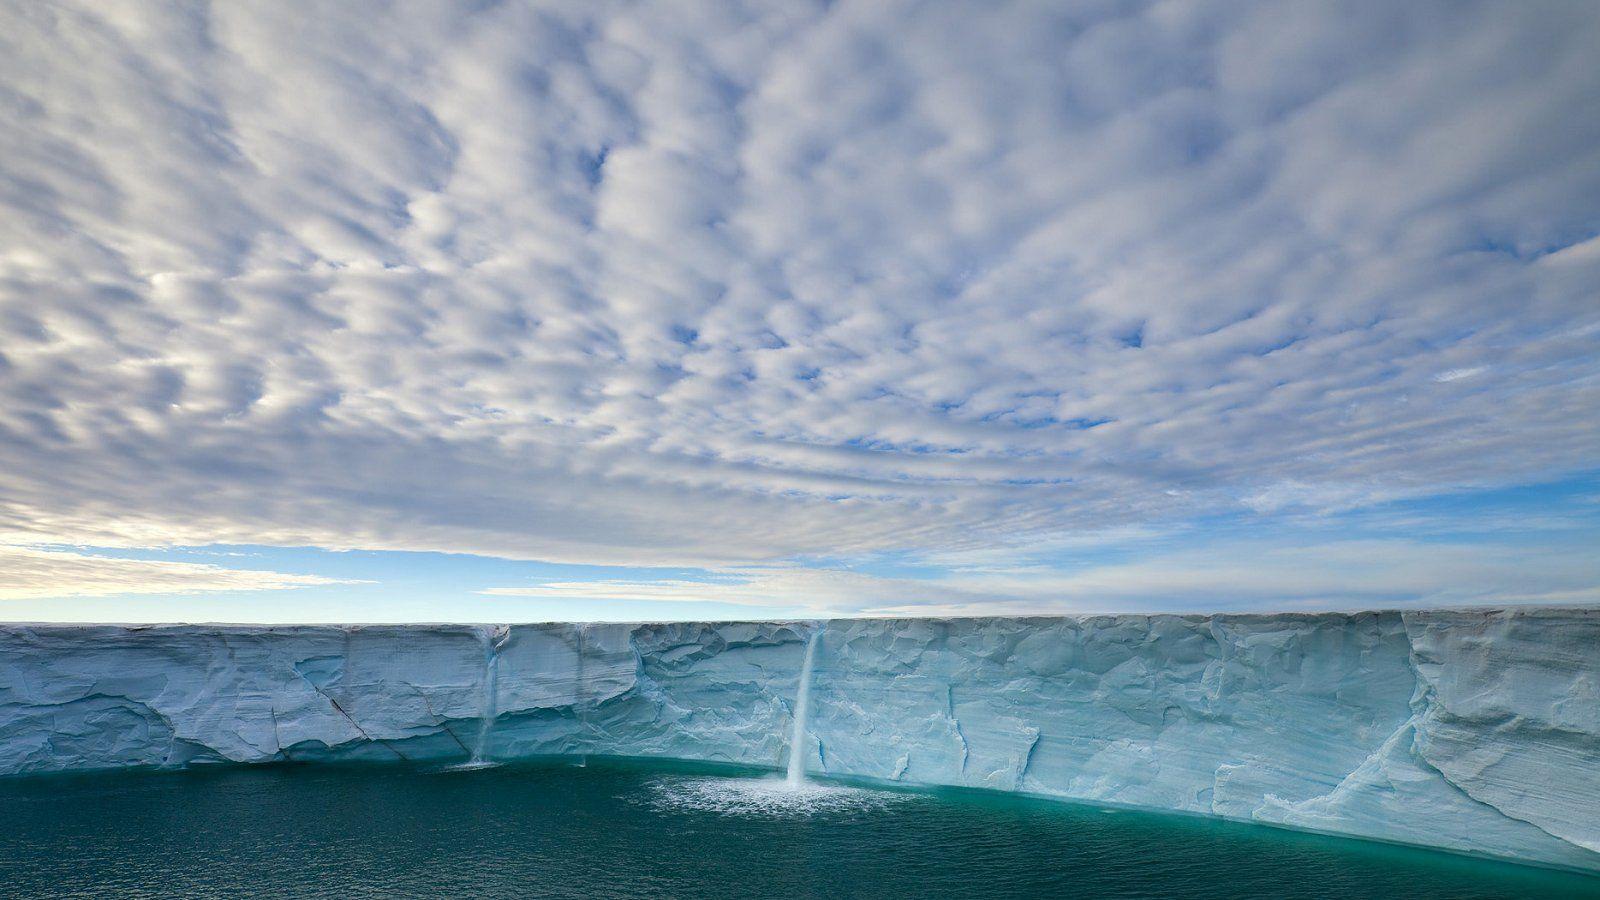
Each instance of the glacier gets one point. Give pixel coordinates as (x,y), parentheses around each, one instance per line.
(1476,731)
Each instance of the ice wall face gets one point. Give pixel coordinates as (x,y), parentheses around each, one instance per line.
(1474,731)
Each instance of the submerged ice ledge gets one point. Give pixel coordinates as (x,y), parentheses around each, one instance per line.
(1476,731)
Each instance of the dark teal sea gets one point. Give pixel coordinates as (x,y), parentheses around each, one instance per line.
(631,830)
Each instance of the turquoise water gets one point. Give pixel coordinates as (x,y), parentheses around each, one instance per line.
(631,830)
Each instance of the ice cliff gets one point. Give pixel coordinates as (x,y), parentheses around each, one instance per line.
(1476,731)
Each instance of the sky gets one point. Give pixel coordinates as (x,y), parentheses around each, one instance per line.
(711,309)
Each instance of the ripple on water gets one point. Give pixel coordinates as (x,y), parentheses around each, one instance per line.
(768,797)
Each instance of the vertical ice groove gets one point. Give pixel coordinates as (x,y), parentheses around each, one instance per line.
(1027,758)
(950,712)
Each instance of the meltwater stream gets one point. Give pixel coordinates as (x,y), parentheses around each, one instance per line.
(791,797)
(802,714)
(494,638)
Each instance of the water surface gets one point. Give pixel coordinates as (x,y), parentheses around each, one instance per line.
(630,830)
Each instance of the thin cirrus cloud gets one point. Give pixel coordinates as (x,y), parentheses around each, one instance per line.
(729,285)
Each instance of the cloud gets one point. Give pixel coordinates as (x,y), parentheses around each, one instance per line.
(1234,574)
(32,573)
(810,591)
(722,284)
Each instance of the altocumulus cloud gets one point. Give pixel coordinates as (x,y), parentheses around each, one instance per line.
(723,284)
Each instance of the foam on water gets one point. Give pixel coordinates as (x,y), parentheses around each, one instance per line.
(767,797)
(471,765)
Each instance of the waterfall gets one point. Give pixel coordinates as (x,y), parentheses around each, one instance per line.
(802,713)
(493,639)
